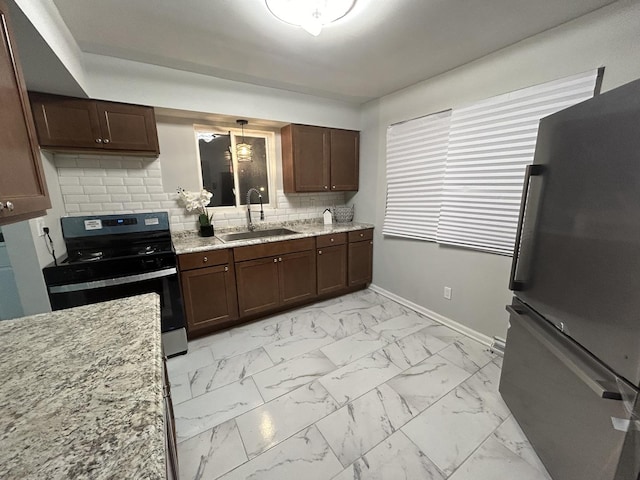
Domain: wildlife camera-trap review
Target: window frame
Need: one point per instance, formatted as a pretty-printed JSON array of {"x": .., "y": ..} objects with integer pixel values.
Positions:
[{"x": 270, "y": 150}]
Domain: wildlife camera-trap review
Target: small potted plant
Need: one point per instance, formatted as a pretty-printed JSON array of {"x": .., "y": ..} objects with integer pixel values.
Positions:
[{"x": 198, "y": 201}]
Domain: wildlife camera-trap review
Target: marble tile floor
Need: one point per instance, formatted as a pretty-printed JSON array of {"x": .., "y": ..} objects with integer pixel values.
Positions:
[{"x": 353, "y": 388}]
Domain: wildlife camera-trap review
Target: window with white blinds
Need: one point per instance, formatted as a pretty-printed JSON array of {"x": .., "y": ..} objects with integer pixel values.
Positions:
[
  {"x": 490, "y": 145},
  {"x": 416, "y": 160}
]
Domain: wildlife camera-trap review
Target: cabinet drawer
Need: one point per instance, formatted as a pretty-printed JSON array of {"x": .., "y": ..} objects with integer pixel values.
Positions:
[
  {"x": 273, "y": 248},
  {"x": 359, "y": 235},
  {"x": 329, "y": 240},
  {"x": 189, "y": 261}
]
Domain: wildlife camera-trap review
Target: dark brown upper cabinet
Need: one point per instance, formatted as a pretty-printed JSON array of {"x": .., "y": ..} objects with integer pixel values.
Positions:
[
  {"x": 23, "y": 191},
  {"x": 319, "y": 159},
  {"x": 77, "y": 124}
]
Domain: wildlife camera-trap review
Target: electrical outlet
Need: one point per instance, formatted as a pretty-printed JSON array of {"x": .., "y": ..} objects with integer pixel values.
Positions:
[
  {"x": 40, "y": 226},
  {"x": 447, "y": 293}
]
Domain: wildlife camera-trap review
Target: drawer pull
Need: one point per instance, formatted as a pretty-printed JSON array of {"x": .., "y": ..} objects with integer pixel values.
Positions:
[
  {"x": 332, "y": 239},
  {"x": 280, "y": 259},
  {"x": 205, "y": 259},
  {"x": 98, "y": 140},
  {"x": 275, "y": 260},
  {"x": 226, "y": 269},
  {"x": 361, "y": 235},
  {"x": 319, "y": 252}
]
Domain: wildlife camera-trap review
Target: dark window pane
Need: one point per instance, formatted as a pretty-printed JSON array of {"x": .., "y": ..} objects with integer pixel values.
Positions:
[
  {"x": 253, "y": 173},
  {"x": 217, "y": 169}
]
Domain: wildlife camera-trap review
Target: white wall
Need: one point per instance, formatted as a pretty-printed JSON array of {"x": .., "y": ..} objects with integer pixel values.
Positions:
[{"x": 418, "y": 271}]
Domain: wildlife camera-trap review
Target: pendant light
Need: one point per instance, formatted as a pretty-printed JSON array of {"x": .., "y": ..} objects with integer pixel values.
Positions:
[{"x": 243, "y": 149}]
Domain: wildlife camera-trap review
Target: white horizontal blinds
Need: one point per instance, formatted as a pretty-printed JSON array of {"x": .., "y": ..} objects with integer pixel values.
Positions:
[
  {"x": 416, "y": 158},
  {"x": 490, "y": 145}
]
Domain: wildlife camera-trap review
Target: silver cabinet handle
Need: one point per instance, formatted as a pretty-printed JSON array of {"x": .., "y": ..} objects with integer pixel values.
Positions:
[
  {"x": 332, "y": 239},
  {"x": 106, "y": 140},
  {"x": 205, "y": 259},
  {"x": 275, "y": 260},
  {"x": 9, "y": 206},
  {"x": 333, "y": 186},
  {"x": 226, "y": 269},
  {"x": 280, "y": 259},
  {"x": 319, "y": 252},
  {"x": 361, "y": 235},
  {"x": 98, "y": 140},
  {"x": 326, "y": 187}
]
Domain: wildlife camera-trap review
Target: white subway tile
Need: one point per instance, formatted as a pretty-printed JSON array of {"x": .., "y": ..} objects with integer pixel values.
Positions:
[
  {"x": 116, "y": 189},
  {"x": 155, "y": 189},
  {"x": 154, "y": 173},
  {"x": 99, "y": 198},
  {"x": 140, "y": 197},
  {"x": 70, "y": 172},
  {"x": 112, "y": 181},
  {"x": 93, "y": 188},
  {"x": 152, "y": 205},
  {"x": 132, "y": 205},
  {"x": 133, "y": 163},
  {"x": 132, "y": 181},
  {"x": 116, "y": 172},
  {"x": 120, "y": 197},
  {"x": 169, "y": 204},
  {"x": 94, "y": 172},
  {"x": 76, "y": 198},
  {"x": 113, "y": 207},
  {"x": 71, "y": 207},
  {"x": 71, "y": 189},
  {"x": 69, "y": 180},
  {"x": 91, "y": 207},
  {"x": 153, "y": 181},
  {"x": 159, "y": 197},
  {"x": 65, "y": 162},
  {"x": 110, "y": 163},
  {"x": 136, "y": 189},
  {"x": 136, "y": 172},
  {"x": 85, "y": 162}
]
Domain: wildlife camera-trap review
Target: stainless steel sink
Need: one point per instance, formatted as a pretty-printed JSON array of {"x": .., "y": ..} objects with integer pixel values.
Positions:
[{"x": 274, "y": 232}]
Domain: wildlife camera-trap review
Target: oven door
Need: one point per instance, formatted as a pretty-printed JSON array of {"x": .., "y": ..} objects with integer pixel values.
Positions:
[{"x": 163, "y": 282}]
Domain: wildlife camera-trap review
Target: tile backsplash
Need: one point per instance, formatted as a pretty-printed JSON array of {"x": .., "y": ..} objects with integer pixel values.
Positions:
[{"x": 94, "y": 184}]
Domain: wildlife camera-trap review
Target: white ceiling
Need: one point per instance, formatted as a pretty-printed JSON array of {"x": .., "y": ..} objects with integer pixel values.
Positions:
[{"x": 381, "y": 46}]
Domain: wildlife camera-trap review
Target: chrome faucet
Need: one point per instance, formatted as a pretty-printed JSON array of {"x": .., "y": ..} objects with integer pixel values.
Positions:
[{"x": 251, "y": 226}]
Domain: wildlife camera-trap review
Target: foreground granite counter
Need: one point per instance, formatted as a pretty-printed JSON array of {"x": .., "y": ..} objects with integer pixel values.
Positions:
[
  {"x": 191, "y": 242},
  {"x": 81, "y": 393}
]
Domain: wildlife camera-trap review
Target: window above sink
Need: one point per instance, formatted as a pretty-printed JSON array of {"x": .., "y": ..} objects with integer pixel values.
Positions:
[{"x": 228, "y": 177}]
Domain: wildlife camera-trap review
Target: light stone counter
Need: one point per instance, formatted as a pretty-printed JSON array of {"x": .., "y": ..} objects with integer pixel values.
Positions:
[
  {"x": 191, "y": 242},
  {"x": 81, "y": 393}
]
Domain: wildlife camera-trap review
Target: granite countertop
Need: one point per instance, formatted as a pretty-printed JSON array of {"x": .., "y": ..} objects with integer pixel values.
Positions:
[
  {"x": 81, "y": 393},
  {"x": 191, "y": 242}
]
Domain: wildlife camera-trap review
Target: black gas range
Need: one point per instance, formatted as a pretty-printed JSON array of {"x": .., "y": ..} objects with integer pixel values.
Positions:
[{"x": 117, "y": 256}]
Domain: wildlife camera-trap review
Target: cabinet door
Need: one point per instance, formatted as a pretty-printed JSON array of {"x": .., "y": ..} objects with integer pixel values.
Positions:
[
  {"x": 22, "y": 181},
  {"x": 258, "y": 289},
  {"x": 311, "y": 152},
  {"x": 360, "y": 262},
  {"x": 297, "y": 275},
  {"x": 332, "y": 269},
  {"x": 66, "y": 121},
  {"x": 209, "y": 296},
  {"x": 127, "y": 127},
  {"x": 345, "y": 159}
]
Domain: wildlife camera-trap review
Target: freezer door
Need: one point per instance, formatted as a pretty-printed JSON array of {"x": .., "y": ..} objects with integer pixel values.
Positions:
[
  {"x": 576, "y": 413},
  {"x": 578, "y": 264}
]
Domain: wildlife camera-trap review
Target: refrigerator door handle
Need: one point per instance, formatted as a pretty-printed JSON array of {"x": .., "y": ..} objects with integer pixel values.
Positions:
[
  {"x": 532, "y": 170},
  {"x": 603, "y": 389}
]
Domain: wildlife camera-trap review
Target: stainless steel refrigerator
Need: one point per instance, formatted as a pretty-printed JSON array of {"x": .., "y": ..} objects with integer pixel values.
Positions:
[{"x": 571, "y": 368}]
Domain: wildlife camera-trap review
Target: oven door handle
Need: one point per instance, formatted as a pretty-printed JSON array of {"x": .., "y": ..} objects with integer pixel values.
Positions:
[{"x": 111, "y": 282}]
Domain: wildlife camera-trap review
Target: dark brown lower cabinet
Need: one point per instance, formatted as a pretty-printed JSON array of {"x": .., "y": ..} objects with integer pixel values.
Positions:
[
  {"x": 297, "y": 279},
  {"x": 258, "y": 289},
  {"x": 266, "y": 284},
  {"x": 209, "y": 297},
  {"x": 332, "y": 269},
  {"x": 360, "y": 262}
]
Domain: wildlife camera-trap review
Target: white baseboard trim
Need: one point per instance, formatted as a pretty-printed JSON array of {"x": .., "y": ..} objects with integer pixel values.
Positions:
[{"x": 458, "y": 327}]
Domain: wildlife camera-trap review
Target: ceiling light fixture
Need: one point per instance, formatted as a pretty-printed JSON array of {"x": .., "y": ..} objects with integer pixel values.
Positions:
[
  {"x": 243, "y": 149},
  {"x": 311, "y": 15}
]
